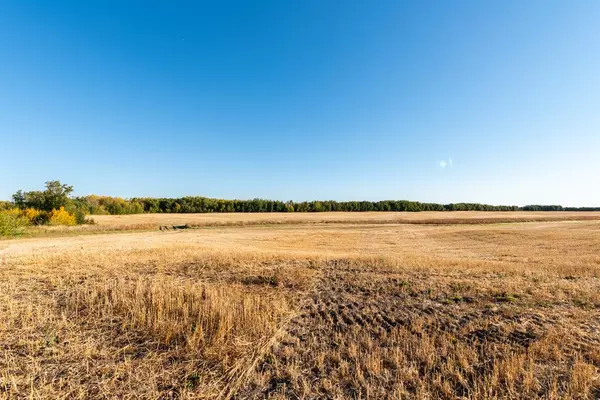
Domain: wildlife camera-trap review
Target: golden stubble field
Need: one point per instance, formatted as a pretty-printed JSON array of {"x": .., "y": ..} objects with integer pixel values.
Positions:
[
  {"x": 117, "y": 223},
  {"x": 368, "y": 308}
]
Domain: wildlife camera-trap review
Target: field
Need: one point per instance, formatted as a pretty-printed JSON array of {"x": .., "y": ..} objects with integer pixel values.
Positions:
[
  {"x": 302, "y": 306},
  {"x": 139, "y": 222},
  {"x": 338, "y": 217}
]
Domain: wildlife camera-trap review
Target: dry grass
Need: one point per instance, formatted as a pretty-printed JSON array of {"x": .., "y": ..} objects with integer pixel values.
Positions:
[
  {"x": 235, "y": 219},
  {"x": 149, "y": 222},
  {"x": 305, "y": 311}
]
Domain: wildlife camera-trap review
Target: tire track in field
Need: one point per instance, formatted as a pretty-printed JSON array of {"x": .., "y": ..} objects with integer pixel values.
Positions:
[{"x": 344, "y": 309}]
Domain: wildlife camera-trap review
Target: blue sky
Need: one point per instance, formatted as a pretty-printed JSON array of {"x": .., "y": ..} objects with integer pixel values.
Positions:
[{"x": 304, "y": 100}]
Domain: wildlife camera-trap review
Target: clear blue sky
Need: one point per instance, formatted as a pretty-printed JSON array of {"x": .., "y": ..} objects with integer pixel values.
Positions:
[{"x": 304, "y": 99}]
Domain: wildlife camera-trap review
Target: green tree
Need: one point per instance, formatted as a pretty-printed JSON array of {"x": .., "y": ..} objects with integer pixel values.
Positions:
[
  {"x": 54, "y": 197},
  {"x": 19, "y": 199}
]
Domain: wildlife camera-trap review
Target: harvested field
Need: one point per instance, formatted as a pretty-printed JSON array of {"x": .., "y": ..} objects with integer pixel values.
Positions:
[
  {"x": 457, "y": 217},
  {"x": 139, "y": 222},
  {"x": 294, "y": 310}
]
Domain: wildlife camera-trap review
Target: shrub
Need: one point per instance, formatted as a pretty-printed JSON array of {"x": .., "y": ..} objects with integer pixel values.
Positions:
[
  {"x": 11, "y": 224},
  {"x": 62, "y": 217},
  {"x": 42, "y": 218},
  {"x": 79, "y": 217},
  {"x": 35, "y": 216},
  {"x": 15, "y": 212},
  {"x": 31, "y": 214},
  {"x": 79, "y": 210}
]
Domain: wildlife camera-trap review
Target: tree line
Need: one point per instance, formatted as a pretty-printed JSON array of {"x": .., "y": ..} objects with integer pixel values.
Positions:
[
  {"x": 57, "y": 195},
  {"x": 52, "y": 206},
  {"x": 207, "y": 205}
]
